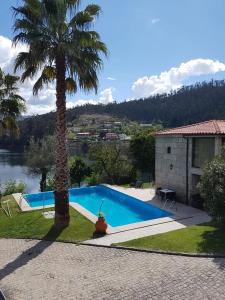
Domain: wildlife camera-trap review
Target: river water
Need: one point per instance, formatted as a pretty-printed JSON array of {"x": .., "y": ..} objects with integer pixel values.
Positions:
[{"x": 12, "y": 166}]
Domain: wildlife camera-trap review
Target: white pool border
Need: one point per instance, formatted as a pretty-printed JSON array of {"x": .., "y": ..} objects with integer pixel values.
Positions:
[{"x": 25, "y": 207}]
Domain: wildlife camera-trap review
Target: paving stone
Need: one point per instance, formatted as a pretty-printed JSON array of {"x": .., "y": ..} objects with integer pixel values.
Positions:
[{"x": 45, "y": 270}]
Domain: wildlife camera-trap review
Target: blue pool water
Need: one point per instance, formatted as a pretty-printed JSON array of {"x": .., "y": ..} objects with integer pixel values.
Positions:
[{"x": 119, "y": 209}]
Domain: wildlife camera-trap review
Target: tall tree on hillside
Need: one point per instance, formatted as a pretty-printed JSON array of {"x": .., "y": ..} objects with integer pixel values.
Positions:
[
  {"x": 64, "y": 49},
  {"x": 40, "y": 158},
  {"x": 142, "y": 148},
  {"x": 78, "y": 170},
  {"x": 11, "y": 103}
]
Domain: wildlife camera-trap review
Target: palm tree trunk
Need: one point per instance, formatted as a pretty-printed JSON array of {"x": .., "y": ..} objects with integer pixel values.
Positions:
[{"x": 62, "y": 217}]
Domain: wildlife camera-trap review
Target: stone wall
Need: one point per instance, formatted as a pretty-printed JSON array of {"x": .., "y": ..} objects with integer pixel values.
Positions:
[{"x": 171, "y": 167}]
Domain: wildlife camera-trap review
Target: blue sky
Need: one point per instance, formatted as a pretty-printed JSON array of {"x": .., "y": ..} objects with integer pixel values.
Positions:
[{"x": 148, "y": 37}]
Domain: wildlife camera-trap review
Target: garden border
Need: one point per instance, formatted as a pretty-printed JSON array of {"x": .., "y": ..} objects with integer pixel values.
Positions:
[{"x": 161, "y": 252}]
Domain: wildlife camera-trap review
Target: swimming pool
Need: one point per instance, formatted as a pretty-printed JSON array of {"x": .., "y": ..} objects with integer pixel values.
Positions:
[{"x": 119, "y": 209}]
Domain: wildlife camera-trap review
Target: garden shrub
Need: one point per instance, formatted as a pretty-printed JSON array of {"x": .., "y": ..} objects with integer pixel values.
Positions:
[
  {"x": 212, "y": 187},
  {"x": 12, "y": 187},
  {"x": 93, "y": 179},
  {"x": 50, "y": 183}
]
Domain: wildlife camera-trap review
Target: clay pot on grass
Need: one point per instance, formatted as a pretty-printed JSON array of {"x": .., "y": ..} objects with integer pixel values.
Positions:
[{"x": 101, "y": 225}]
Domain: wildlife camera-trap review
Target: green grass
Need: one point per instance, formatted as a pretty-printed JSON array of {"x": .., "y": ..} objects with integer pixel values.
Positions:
[
  {"x": 204, "y": 238},
  {"x": 34, "y": 225}
]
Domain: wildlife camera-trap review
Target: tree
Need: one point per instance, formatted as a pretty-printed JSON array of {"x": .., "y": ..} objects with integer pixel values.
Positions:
[
  {"x": 212, "y": 187},
  {"x": 142, "y": 148},
  {"x": 64, "y": 49},
  {"x": 11, "y": 104},
  {"x": 78, "y": 170},
  {"x": 110, "y": 162},
  {"x": 40, "y": 158}
]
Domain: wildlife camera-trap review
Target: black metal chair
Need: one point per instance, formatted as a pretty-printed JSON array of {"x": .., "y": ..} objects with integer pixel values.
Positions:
[{"x": 137, "y": 184}]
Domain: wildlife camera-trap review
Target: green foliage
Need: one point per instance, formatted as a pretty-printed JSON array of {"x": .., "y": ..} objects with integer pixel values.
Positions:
[
  {"x": 12, "y": 187},
  {"x": 93, "y": 179},
  {"x": 50, "y": 183},
  {"x": 78, "y": 170},
  {"x": 11, "y": 104},
  {"x": 142, "y": 148},
  {"x": 71, "y": 135},
  {"x": 212, "y": 187},
  {"x": 40, "y": 157},
  {"x": 40, "y": 154},
  {"x": 111, "y": 163}
]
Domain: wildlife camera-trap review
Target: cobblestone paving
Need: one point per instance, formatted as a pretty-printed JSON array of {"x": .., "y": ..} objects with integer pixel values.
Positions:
[{"x": 31, "y": 270}]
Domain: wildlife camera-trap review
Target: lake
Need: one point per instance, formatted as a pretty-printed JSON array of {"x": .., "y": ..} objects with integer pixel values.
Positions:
[{"x": 12, "y": 166}]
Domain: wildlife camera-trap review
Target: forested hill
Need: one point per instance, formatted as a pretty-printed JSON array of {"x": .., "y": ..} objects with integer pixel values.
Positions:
[{"x": 199, "y": 102}]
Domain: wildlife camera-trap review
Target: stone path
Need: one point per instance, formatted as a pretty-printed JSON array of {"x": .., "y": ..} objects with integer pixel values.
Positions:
[{"x": 43, "y": 270}]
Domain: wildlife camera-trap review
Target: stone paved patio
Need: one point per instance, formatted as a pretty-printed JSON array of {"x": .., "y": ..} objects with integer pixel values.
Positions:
[{"x": 43, "y": 270}]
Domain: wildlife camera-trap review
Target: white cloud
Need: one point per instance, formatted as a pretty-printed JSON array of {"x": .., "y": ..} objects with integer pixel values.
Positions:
[
  {"x": 45, "y": 100},
  {"x": 155, "y": 20},
  {"x": 106, "y": 97},
  {"x": 111, "y": 78},
  {"x": 175, "y": 77}
]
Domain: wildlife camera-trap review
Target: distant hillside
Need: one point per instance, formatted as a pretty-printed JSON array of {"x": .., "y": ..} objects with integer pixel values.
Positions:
[{"x": 199, "y": 102}]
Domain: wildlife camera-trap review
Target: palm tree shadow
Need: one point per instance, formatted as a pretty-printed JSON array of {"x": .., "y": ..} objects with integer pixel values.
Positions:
[{"x": 31, "y": 253}]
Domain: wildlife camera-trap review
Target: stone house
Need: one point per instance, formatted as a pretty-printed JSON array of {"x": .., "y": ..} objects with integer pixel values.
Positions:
[{"x": 182, "y": 152}]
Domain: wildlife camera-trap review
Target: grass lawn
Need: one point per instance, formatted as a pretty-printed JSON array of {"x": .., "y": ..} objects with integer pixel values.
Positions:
[
  {"x": 204, "y": 238},
  {"x": 34, "y": 225}
]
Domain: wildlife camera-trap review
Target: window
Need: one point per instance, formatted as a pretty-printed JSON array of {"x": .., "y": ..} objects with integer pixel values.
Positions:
[
  {"x": 203, "y": 150},
  {"x": 168, "y": 150}
]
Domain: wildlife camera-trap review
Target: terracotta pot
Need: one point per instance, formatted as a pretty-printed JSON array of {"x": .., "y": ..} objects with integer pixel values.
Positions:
[{"x": 101, "y": 225}]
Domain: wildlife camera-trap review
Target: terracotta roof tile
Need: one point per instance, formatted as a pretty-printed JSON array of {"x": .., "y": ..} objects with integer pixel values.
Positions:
[{"x": 212, "y": 127}]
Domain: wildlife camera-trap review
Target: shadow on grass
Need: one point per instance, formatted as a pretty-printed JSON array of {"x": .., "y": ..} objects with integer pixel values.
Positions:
[
  {"x": 213, "y": 242},
  {"x": 31, "y": 253}
]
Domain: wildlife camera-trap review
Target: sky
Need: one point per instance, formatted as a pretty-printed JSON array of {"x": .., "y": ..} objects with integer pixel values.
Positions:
[{"x": 155, "y": 46}]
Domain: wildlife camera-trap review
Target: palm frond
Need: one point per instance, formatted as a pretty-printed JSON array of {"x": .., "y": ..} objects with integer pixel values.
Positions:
[
  {"x": 93, "y": 10},
  {"x": 22, "y": 60},
  {"x": 51, "y": 28},
  {"x": 71, "y": 85},
  {"x": 48, "y": 74},
  {"x": 29, "y": 72}
]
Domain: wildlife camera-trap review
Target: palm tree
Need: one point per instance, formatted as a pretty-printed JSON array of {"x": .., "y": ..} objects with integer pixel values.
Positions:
[
  {"x": 11, "y": 104},
  {"x": 64, "y": 49}
]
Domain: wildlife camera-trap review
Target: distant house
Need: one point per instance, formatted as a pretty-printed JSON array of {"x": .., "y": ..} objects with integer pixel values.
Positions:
[
  {"x": 111, "y": 136},
  {"x": 83, "y": 135},
  {"x": 124, "y": 137},
  {"x": 145, "y": 125},
  {"x": 75, "y": 129},
  {"x": 182, "y": 152}
]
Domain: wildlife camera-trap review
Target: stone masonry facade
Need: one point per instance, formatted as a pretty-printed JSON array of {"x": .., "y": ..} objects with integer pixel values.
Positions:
[
  {"x": 170, "y": 169},
  {"x": 171, "y": 165}
]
